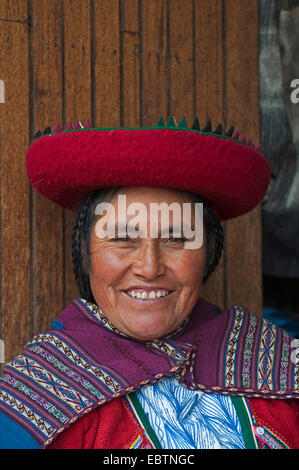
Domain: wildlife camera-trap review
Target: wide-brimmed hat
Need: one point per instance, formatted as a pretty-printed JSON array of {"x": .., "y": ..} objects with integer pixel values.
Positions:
[{"x": 225, "y": 169}]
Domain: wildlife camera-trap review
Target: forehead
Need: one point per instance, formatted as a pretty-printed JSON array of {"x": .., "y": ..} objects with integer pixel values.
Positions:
[{"x": 149, "y": 205}]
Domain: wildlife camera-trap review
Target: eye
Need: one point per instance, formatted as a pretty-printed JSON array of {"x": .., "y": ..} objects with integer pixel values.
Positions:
[
  {"x": 175, "y": 239},
  {"x": 122, "y": 239}
]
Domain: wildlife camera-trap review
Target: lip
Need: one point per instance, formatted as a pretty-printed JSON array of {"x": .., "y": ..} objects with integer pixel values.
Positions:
[{"x": 147, "y": 288}]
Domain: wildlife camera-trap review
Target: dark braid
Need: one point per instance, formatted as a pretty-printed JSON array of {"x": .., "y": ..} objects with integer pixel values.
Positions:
[
  {"x": 214, "y": 235},
  {"x": 215, "y": 240},
  {"x": 81, "y": 239},
  {"x": 79, "y": 235}
]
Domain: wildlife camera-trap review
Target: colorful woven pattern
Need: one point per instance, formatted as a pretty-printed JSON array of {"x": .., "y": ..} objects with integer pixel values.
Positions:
[
  {"x": 265, "y": 353},
  {"x": 55, "y": 380},
  {"x": 83, "y": 362}
]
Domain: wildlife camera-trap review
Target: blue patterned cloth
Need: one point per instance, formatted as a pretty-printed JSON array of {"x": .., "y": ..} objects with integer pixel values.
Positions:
[{"x": 187, "y": 419}]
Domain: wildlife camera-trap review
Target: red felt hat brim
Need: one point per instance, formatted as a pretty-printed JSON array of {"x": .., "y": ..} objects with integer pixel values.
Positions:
[{"x": 65, "y": 167}]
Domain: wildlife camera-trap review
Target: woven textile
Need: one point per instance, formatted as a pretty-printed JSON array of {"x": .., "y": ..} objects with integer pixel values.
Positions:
[
  {"x": 83, "y": 362},
  {"x": 188, "y": 419}
]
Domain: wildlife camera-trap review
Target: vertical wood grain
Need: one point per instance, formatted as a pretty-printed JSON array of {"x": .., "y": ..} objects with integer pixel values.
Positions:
[
  {"x": 155, "y": 61},
  {"x": 130, "y": 63},
  {"x": 209, "y": 61},
  {"x": 77, "y": 101},
  {"x": 47, "y": 218},
  {"x": 209, "y": 103},
  {"x": 106, "y": 63},
  {"x": 181, "y": 50},
  {"x": 15, "y": 220},
  {"x": 244, "y": 272}
]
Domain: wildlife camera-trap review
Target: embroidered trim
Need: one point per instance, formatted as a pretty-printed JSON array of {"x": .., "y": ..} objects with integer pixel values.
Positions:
[
  {"x": 283, "y": 372},
  {"x": 52, "y": 360},
  {"x": 137, "y": 444},
  {"x": 266, "y": 357},
  {"x": 49, "y": 381},
  {"x": 35, "y": 397},
  {"x": 99, "y": 315},
  {"x": 101, "y": 374},
  {"x": 232, "y": 345},
  {"x": 140, "y": 416},
  {"x": 270, "y": 439},
  {"x": 295, "y": 359},
  {"x": 248, "y": 349},
  {"x": 167, "y": 348},
  {"x": 265, "y": 366},
  {"x": 41, "y": 426}
]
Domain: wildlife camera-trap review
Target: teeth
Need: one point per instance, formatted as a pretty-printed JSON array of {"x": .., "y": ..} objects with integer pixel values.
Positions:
[{"x": 145, "y": 295}]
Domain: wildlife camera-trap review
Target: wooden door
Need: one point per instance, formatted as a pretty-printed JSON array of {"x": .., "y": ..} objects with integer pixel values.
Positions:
[{"x": 118, "y": 63}]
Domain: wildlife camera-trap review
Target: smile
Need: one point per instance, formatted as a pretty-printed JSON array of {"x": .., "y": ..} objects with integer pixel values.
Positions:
[{"x": 143, "y": 295}]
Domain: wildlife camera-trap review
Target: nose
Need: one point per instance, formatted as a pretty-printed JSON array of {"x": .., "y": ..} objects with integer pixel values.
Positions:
[{"x": 148, "y": 262}]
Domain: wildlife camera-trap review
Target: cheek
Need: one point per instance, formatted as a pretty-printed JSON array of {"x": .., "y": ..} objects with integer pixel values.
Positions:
[
  {"x": 106, "y": 266},
  {"x": 189, "y": 267}
]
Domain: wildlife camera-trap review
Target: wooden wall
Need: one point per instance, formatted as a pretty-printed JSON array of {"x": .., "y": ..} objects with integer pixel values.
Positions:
[{"x": 117, "y": 62}]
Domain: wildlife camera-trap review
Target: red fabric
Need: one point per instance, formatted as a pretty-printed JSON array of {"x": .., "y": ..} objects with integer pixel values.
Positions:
[
  {"x": 66, "y": 167},
  {"x": 110, "y": 426},
  {"x": 113, "y": 426},
  {"x": 281, "y": 417}
]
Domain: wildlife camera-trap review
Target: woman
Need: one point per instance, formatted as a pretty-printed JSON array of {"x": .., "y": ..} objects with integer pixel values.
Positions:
[{"x": 139, "y": 360}]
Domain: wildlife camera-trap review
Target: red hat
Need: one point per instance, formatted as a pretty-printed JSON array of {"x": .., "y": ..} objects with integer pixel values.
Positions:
[{"x": 66, "y": 165}]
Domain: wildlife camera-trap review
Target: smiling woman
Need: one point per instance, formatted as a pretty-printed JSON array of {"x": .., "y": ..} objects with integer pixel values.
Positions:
[
  {"x": 146, "y": 286},
  {"x": 145, "y": 266},
  {"x": 139, "y": 359}
]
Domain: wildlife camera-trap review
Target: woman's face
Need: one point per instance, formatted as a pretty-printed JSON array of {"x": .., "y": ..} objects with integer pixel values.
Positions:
[{"x": 129, "y": 277}]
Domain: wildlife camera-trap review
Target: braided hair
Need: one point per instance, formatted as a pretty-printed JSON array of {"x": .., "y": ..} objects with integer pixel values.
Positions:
[
  {"x": 82, "y": 232},
  {"x": 215, "y": 240},
  {"x": 81, "y": 239}
]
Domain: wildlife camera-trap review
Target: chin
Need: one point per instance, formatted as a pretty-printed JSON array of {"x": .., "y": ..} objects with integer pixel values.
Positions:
[
  {"x": 152, "y": 337},
  {"x": 149, "y": 333}
]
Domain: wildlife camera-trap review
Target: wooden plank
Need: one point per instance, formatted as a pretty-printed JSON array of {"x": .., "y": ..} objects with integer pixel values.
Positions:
[
  {"x": 209, "y": 70},
  {"x": 15, "y": 228},
  {"x": 47, "y": 220},
  {"x": 181, "y": 50},
  {"x": 130, "y": 63},
  {"x": 209, "y": 83},
  {"x": 106, "y": 63},
  {"x": 155, "y": 73},
  {"x": 77, "y": 104},
  {"x": 77, "y": 53},
  {"x": 244, "y": 278},
  {"x": 14, "y": 11}
]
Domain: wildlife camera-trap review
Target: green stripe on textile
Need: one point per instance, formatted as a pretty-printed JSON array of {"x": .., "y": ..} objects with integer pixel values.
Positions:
[
  {"x": 132, "y": 397},
  {"x": 245, "y": 423}
]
